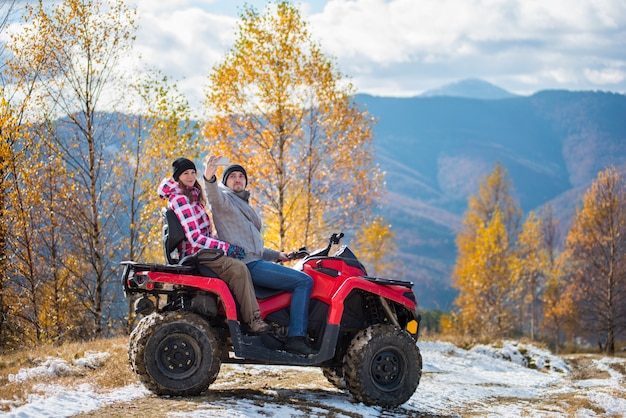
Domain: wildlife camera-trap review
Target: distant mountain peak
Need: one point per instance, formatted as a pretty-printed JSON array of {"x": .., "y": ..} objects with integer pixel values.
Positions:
[{"x": 473, "y": 88}]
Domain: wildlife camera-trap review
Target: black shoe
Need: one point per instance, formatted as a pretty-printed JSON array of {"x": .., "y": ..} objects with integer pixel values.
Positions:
[
  {"x": 298, "y": 345},
  {"x": 269, "y": 340}
]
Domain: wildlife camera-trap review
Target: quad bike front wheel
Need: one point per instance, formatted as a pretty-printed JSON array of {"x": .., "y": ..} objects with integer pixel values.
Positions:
[
  {"x": 175, "y": 353},
  {"x": 335, "y": 376},
  {"x": 382, "y": 366}
]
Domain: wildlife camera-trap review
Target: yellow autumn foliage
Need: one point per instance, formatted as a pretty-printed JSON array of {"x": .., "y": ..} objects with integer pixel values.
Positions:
[{"x": 277, "y": 106}]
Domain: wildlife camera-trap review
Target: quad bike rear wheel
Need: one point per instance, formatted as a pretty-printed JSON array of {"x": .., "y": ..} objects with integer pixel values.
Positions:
[
  {"x": 175, "y": 353},
  {"x": 382, "y": 366}
]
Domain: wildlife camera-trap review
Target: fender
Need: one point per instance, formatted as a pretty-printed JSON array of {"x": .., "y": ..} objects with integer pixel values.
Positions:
[
  {"x": 208, "y": 284},
  {"x": 336, "y": 305}
]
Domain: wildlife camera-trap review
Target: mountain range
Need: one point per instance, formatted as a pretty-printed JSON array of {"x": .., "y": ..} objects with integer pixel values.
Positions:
[{"x": 436, "y": 148}]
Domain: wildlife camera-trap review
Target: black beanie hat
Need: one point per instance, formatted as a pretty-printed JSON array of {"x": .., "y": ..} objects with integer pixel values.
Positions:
[
  {"x": 180, "y": 165},
  {"x": 231, "y": 168}
]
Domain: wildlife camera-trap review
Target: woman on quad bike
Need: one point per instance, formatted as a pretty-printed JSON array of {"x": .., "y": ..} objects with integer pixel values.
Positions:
[
  {"x": 185, "y": 197},
  {"x": 237, "y": 222}
]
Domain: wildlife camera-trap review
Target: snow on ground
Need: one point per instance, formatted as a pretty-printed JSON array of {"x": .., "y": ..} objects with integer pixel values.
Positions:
[
  {"x": 455, "y": 377},
  {"x": 454, "y": 380},
  {"x": 58, "y": 367},
  {"x": 611, "y": 397}
]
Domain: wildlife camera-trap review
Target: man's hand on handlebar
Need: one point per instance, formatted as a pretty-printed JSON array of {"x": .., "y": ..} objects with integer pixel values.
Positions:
[
  {"x": 294, "y": 255},
  {"x": 283, "y": 256}
]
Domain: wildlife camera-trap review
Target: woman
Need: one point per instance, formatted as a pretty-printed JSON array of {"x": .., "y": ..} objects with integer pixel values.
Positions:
[{"x": 184, "y": 196}]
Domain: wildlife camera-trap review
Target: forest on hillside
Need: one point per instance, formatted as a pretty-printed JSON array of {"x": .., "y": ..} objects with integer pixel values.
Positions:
[{"x": 435, "y": 150}]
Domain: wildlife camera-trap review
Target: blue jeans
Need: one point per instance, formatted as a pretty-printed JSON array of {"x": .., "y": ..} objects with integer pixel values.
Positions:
[{"x": 277, "y": 276}]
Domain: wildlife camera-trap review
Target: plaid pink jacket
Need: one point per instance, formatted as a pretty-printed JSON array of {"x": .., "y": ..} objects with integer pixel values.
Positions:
[{"x": 192, "y": 216}]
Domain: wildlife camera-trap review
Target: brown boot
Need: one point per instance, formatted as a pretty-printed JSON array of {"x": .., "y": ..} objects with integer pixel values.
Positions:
[{"x": 259, "y": 326}]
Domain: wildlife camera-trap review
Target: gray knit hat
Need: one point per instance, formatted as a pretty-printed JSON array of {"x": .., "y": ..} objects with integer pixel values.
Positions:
[{"x": 232, "y": 168}]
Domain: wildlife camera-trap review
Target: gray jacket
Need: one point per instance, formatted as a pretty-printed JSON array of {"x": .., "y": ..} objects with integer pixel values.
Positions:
[{"x": 237, "y": 223}]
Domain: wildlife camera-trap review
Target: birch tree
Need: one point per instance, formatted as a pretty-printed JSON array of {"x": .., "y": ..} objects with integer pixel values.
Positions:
[
  {"x": 277, "y": 105},
  {"x": 482, "y": 273},
  {"x": 76, "y": 46},
  {"x": 375, "y": 246},
  {"x": 557, "y": 309},
  {"x": 164, "y": 131},
  {"x": 596, "y": 247},
  {"x": 529, "y": 264}
]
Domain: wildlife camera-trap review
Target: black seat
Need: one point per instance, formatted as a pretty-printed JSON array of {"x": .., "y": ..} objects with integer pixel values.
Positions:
[{"x": 173, "y": 235}]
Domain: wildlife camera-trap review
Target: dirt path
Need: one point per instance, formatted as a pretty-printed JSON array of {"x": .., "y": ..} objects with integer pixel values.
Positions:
[
  {"x": 267, "y": 390},
  {"x": 283, "y": 391}
]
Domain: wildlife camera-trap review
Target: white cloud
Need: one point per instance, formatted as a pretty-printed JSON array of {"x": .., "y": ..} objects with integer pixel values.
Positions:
[
  {"x": 373, "y": 26},
  {"x": 483, "y": 35},
  {"x": 187, "y": 40},
  {"x": 605, "y": 76},
  {"x": 403, "y": 47}
]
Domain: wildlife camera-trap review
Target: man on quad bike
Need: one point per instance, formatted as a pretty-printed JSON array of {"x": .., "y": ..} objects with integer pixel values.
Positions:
[
  {"x": 185, "y": 198},
  {"x": 238, "y": 223}
]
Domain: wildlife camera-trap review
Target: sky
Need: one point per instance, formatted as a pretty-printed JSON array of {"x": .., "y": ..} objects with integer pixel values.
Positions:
[
  {"x": 402, "y": 48},
  {"x": 480, "y": 382}
]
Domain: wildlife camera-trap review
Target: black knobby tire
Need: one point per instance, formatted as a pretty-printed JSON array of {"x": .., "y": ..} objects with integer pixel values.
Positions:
[
  {"x": 145, "y": 322},
  {"x": 335, "y": 376},
  {"x": 175, "y": 353},
  {"x": 382, "y": 366}
]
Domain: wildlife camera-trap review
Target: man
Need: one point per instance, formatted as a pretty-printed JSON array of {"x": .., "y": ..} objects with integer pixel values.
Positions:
[{"x": 238, "y": 223}]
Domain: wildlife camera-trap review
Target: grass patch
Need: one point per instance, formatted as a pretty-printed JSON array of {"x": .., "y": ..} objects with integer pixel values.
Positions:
[
  {"x": 112, "y": 372},
  {"x": 573, "y": 404}
]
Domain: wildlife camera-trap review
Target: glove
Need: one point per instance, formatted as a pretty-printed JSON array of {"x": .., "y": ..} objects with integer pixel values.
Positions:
[{"x": 236, "y": 251}]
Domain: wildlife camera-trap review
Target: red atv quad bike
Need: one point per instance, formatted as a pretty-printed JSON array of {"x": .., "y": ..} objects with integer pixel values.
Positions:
[{"x": 364, "y": 329}]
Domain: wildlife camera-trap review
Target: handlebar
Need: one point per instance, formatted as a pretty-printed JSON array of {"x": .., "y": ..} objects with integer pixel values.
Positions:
[
  {"x": 303, "y": 252},
  {"x": 334, "y": 238}
]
